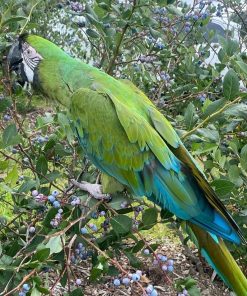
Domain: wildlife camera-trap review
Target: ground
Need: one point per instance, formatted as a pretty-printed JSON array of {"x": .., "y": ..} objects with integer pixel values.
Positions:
[{"x": 184, "y": 266}]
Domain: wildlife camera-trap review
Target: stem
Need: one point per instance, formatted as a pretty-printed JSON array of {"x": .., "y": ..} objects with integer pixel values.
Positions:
[
  {"x": 29, "y": 16},
  {"x": 205, "y": 121}
]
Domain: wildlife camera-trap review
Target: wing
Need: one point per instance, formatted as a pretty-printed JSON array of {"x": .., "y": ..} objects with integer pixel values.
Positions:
[{"x": 143, "y": 153}]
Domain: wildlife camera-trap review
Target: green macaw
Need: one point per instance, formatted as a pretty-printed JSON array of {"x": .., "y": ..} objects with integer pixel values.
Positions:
[{"x": 127, "y": 138}]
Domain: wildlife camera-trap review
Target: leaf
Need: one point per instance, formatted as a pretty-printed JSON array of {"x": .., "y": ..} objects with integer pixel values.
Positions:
[
  {"x": 121, "y": 224},
  {"x": 76, "y": 292},
  {"x": 41, "y": 255},
  {"x": 42, "y": 165},
  {"x": 242, "y": 66},
  {"x": 230, "y": 85},
  {"x": 243, "y": 157},
  {"x": 134, "y": 261},
  {"x": 55, "y": 244},
  {"x": 174, "y": 10},
  {"x": 14, "y": 19},
  {"x": 10, "y": 136},
  {"x": 92, "y": 33},
  {"x": 25, "y": 187},
  {"x": 222, "y": 187},
  {"x": 35, "y": 292},
  {"x": 12, "y": 176},
  {"x": 189, "y": 116},
  {"x": 234, "y": 175},
  {"x": 213, "y": 107},
  {"x": 149, "y": 218}
]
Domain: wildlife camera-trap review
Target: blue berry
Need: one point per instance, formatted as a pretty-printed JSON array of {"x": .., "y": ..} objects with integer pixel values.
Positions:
[
  {"x": 26, "y": 287},
  {"x": 149, "y": 289},
  {"x": 164, "y": 267},
  {"x": 51, "y": 198},
  {"x": 102, "y": 213},
  {"x": 22, "y": 293},
  {"x": 135, "y": 277},
  {"x": 94, "y": 228},
  {"x": 32, "y": 229},
  {"x": 6, "y": 117},
  {"x": 139, "y": 272},
  {"x": 146, "y": 252},
  {"x": 35, "y": 193},
  {"x": 170, "y": 262},
  {"x": 56, "y": 204},
  {"x": 218, "y": 14},
  {"x": 185, "y": 292},
  {"x": 154, "y": 293},
  {"x": 78, "y": 282},
  {"x": 60, "y": 211},
  {"x": 84, "y": 230},
  {"x": 195, "y": 17},
  {"x": 126, "y": 281},
  {"x": 80, "y": 245},
  {"x": 116, "y": 282},
  {"x": 163, "y": 258},
  {"x": 14, "y": 151},
  {"x": 54, "y": 193},
  {"x": 187, "y": 29},
  {"x": 170, "y": 268}
]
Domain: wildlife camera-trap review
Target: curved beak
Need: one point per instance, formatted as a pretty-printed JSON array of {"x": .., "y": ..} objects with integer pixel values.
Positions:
[{"x": 14, "y": 57}]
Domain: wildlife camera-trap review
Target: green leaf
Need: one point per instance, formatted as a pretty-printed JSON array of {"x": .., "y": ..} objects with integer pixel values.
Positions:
[
  {"x": 149, "y": 218},
  {"x": 242, "y": 66},
  {"x": 14, "y": 19},
  {"x": 222, "y": 187},
  {"x": 41, "y": 255},
  {"x": 243, "y": 157},
  {"x": 134, "y": 261},
  {"x": 10, "y": 136},
  {"x": 189, "y": 116},
  {"x": 230, "y": 85},
  {"x": 12, "y": 176},
  {"x": 42, "y": 165},
  {"x": 76, "y": 292},
  {"x": 121, "y": 224},
  {"x": 92, "y": 33},
  {"x": 55, "y": 244},
  {"x": 35, "y": 292},
  {"x": 234, "y": 175},
  {"x": 25, "y": 187},
  {"x": 213, "y": 107},
  {"x": 174, "y": 10}
]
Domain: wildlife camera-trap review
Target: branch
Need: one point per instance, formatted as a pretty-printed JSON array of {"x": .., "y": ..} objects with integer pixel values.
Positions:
[
  {"x": 116, "y": 51},
  {"x": 205, "y": 121}
]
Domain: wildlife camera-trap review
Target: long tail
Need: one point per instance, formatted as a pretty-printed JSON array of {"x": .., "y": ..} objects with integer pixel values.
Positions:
[{"x": 218, "y": 256}]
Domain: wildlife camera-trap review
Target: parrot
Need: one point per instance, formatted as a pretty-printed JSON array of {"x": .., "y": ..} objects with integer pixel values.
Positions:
[{"x": 127, "y": 138}]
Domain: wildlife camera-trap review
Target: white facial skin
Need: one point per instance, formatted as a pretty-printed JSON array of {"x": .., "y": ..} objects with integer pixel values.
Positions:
[{"x": 30, "y": 60}]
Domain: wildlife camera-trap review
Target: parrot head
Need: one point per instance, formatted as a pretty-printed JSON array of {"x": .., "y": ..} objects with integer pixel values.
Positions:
[{"x": 23, "y": 59}]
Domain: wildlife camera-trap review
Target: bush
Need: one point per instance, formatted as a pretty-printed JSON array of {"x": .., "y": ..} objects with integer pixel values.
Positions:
[{"x": 47, "y": 222}]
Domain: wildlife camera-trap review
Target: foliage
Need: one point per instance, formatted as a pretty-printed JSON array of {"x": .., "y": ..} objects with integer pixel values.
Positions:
[{"x": 164, "y": 50}]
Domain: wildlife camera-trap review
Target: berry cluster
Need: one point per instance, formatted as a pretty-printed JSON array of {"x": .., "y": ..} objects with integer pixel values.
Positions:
[
  {"x": 57, "y": 219},
  {"x": 39, "y": 197},
  {"x": 80, "y": 253},
  {"x": 24, "y": 290},
  {"x": 76, "y": 6},
  {"x": 134, "y": 277}
]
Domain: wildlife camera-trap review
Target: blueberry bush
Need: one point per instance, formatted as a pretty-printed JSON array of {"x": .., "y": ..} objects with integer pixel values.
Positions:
[{"x": 194, "y": 73}]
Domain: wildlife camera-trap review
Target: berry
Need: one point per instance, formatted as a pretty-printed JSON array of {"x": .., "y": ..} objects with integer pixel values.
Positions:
[
  {"x": 22, "y": 293},
  {"x": 6, "y": 117},
  {"x": 187, "y": 29},
  {"x": 56, "y": 204},
  {"x": 60, "y": 211},
  {"x": 102, "y": 213},
  {"x": 170, "y": 268},
  {"x": 35, "y": 192},
  {"x": 116, "y": 282},
  {"x": 51, "y": 198},
  {"x": 135, "y": 277},
  {"x": 146, "y": 252},
  {"x": 80, "y": 245},
  {"x": 54, "y": 193},
  {"x": 154, "y": 293},
  {"x": 32, "y": 229},
  {"x": 78, "y": 282},
  {"x": 170, "y": 262},
  {"x": 94, "y": 228},
  {"x": 139, "y": 272},
  {"x": 26, "y": 287},
  {"x": 155, "y": 262},
  {"x": 149, "y": 289},
  {"x": 84, "y": 230},
  {"x": 14, "y": 151},
  {"x": 185, "y": 292},
  {"x": 126, "y": 281},
  {"x": 163, "y": 258},
  {"x": 164, "y": 267},
  {"x": 195, "y": 17}
]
